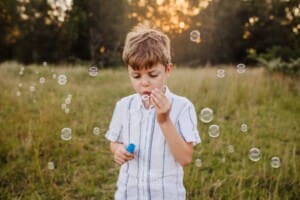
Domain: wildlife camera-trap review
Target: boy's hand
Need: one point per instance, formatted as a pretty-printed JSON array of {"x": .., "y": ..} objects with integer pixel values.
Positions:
[
  {"x": 121, "y": 155},
  {"x": 161, "y": 104}
]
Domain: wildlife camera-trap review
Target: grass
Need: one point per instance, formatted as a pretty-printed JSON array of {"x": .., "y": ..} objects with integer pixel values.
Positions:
[{"x": 30, "y": 126}]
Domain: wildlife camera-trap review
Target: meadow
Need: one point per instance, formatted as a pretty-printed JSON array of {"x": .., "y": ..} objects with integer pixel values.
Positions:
[{"x": 35, "y": 163}]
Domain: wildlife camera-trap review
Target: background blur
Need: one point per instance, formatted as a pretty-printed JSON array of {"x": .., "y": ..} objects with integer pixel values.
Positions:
[{"x": 230, "y": 31}]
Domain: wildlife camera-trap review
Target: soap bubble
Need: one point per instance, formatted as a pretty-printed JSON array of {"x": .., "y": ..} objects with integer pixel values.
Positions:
[
  {"x": 214, "y": 131},
  {"x": 275, "y": 162},
  {"x": 42, "y": 80},
  {"x": 18, "y": 93},
  {"x": 68, "y": 100},
  {"x": 96, "y": 131},
  {"x": 45, "y": 64},
  {"x": 230, "y": 148},
  {"x": 220, "y": 73},
  {"x": 206, "y": 115},
  {"x": 20, "y": 84},
  {"x": 241, "y": 68},
  {"x": 244, "y": 128},
  {"x": 195, "y": 36},
  {"x": 67, "y": 110},
  {"x": 93, "y": 71},
  {"x": 66, "y": 134},
  {"x": 54, "y": 76},
  {"x": 51, "y": 165},
  {"x": 198, "y": 162},
  {"x": 254, "y": 154},
  {"x": 145, "y": 97},
  {"x": 32, "y": 88},
  {"x": 62, "y": 79}
]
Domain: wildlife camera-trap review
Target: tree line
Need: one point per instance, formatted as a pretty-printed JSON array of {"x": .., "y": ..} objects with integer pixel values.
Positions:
[{"x": 231, "y": 31}]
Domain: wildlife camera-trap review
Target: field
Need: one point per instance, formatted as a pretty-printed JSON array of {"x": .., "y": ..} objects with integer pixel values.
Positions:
[{"x": 35, "y": 163}]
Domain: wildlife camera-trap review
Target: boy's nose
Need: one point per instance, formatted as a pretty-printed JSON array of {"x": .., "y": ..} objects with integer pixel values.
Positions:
[{"x": 145, "y": 82}]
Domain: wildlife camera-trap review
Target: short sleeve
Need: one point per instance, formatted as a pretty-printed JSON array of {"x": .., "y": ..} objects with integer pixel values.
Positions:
[
  {"x": 187, "y": 124},
  {"x": 114, "y": 133}
]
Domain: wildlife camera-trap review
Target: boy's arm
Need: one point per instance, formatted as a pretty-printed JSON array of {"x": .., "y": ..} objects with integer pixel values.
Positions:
[{"x": 181, "y": 150}]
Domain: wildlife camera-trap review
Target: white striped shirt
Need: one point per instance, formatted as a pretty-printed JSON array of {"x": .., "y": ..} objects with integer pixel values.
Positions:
[{"x": 154, "y": 173}]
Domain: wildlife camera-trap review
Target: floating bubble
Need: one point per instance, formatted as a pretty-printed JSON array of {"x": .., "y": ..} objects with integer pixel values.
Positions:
[
  {"x": 254, "y": 154},
  {"x": 66, "y": 134},
  {"x": 220, "y": 73},
  {"x": 206, "y": 115},
  {"x": 42, "y": 80},
  {"x": 241, "y": 68},
  {"x": 195, "y": 36},
  {"x": 145, "y": 97},
  {"x": 45, "y": 63},
  {"x": 63, "y": 106},
  {"x": 68, "y": 100},
  {"x": 20, "y": 84},
  {"x": 214, "y": 131},
  {"x": 230, "y": 148},
  {"x": 275, "y": 162},
  {"x": 93, "y": 71},
  {"x": 244, "y": 128},
  {"x": 67, "y": 110},
  {"x": 51, "y": 165},
  {"x": 54, "y": 76},
  {"x": 96, "y": 131},
  {"x": 32, "y": 88},
  {"x": 62, "y": 79},
  {"x": 198, "y": 162},
  {"x": 21, "y": 73},
  {"x": 18, "y": 93}
]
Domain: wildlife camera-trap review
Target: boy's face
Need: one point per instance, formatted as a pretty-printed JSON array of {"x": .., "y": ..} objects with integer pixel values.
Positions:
[{"x": 145, "y": 80}]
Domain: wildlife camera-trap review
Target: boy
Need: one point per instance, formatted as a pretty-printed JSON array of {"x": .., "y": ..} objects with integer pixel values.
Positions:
[{"x": 162, "y": 125}]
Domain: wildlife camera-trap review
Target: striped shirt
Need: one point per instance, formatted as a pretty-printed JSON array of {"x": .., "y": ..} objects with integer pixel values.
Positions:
[{"x": 154, "y": 173}]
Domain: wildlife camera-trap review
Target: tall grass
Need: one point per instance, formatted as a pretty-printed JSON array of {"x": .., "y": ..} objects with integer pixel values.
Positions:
[{"x": 30, "y": 127}]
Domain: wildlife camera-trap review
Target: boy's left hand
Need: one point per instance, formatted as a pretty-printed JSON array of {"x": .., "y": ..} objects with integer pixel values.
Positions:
[{"x": 161, "y": 104}]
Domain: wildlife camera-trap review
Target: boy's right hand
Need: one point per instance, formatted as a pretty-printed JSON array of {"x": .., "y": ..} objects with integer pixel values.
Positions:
[{"x": 121, "y": 155}]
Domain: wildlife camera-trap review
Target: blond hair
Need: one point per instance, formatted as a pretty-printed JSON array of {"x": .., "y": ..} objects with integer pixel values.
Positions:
[{"x": 146, "y": 47}]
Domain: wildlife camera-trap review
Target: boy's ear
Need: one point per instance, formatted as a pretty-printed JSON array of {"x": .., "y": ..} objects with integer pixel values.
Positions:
[{"x": 169, "y": 68}]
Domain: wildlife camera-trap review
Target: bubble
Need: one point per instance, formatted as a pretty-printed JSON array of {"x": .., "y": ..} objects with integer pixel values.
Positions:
[
  {"x": 198, "y": 162},
  {"x": 254, "y": 154},
  {"x": 62, "y": 79},
  {"x": 230, "y": 148},
  {"x": 42, "y": 80},
  {"x": 275, "y": 162},
  {"x": 45, "y": 63},
  {"x": 68, "y": 100},
  {"x": 206, "y": 115},
  {"x": 220, "y": 73},
  {"x": 67, "y": 110},
  {"x": 21, "y": 73},
  {"x": 20, "y": 84},
  {"x": 96, "y": 131},
  {"x": 63, "y": 106},
  {"x": 145, "y": 97},
  {"x": 195, "y": 36},
  {"x": 93, "y": 71},
  {"x": 66, "y": 134},
  {"x": 241, "y": 68},
  {"x": 51, "y": 165},
  {"x": 54, "y": 76},
  {"x": 32, "y": 88},
  {"x": 214, "y": 131},
  {"x": 18, "y": 93},
  {"x": 244, "y": 128}
]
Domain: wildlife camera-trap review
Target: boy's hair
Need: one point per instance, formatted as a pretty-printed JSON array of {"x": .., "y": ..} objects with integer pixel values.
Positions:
[{"x": 146, "y": 47}]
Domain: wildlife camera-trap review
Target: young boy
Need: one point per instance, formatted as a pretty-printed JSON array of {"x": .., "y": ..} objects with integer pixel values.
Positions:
[{"x": 162, "y": 125}]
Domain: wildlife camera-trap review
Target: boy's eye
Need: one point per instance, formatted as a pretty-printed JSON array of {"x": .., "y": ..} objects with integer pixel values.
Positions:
[
  {"x": 136, "y": 76},
  {"x": 153, "y": 75}
]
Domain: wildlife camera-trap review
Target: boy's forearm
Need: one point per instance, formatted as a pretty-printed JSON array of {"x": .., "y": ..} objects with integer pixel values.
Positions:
[{"x": 181, "y": 150}]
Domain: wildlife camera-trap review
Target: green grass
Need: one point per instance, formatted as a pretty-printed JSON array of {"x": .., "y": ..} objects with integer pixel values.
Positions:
[{"x": 30, "y": 128}]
